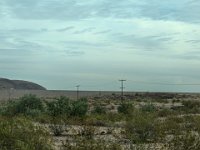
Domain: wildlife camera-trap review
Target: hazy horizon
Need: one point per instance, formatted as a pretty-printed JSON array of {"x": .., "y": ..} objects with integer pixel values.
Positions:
[{"x": 154, "y": 45}]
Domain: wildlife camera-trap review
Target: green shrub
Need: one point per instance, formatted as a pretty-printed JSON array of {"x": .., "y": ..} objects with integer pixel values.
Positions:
[
  {"x": 186, "y": 141},
  {"x": 33, "y": 112},
  {"x": 79, "y": 107},
  {"x": 21, "y": 134},
  {"x": 125, "y": 108},
  {"x": 10, "y": 109},
  {"x": 42, "y": 118},
  {"x": 29, "y": 102},
  {"x": 140, "y": 128},
  {"x": 191, "y": 104},
  {"x": 63, "y": 106},
  {"x": 169, "y": 126},
  {"x": 148, "y": 108},
  {"x": 26, "y": 105},
  {"x": 60, "y": 106},
  {"x": 164, "y": 112},
  {"x": 175, "y": 101},
  {"x": 99, "y": 110}
]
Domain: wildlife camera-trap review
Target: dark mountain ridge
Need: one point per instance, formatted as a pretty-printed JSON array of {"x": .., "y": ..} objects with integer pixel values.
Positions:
[{"x": 19, "y": 85}]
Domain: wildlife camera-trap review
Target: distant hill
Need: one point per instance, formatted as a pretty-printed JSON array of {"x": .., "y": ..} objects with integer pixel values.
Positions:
[{"x": 19, "y": 85}]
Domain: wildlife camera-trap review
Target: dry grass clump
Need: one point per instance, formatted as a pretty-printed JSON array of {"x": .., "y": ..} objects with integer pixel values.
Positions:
[{"x": 20, "y": 133}]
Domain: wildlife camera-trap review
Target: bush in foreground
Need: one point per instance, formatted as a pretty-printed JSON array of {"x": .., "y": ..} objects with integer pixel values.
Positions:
[
  {"x": 141, "y": 127},
  {"x": 23, "y": 135},
  {"x": 186, "y": 141}
]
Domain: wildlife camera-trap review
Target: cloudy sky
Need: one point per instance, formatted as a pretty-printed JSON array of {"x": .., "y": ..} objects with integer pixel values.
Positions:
[{"x": 153, "y": 44}]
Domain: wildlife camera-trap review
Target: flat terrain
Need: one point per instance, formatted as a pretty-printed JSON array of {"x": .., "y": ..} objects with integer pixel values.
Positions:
[
  {"x": 102, "y": 120},
  {"x": 51, "y": 94}
]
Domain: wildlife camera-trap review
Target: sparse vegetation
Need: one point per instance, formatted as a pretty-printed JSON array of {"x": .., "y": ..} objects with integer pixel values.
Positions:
[
  {"x": 149, "y": 107},
  {"x": 79, "y": 107},
  {"x": 125, "y": 108},
  {"x": 20, "y": 133},
  {"x": 191, "y": 106},
  {"x": 26, "y": 105},
  {"x": 85, "y": 144},
  {"x": 60, "y": 106},
  {"x": 99, "y": 110},
  {"x": 92, "y": 124},
  {"x": 140, "y": 128}
]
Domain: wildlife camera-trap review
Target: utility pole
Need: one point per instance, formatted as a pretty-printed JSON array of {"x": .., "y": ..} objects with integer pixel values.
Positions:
[
  {"x": 77, "y": 91},
  {"x": 122, "y": 88}
]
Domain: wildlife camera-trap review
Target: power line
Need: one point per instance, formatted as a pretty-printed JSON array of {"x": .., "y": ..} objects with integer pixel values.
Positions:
[
  {"x": 162, "y": 83},
  {"x": 105, "y": 84}
]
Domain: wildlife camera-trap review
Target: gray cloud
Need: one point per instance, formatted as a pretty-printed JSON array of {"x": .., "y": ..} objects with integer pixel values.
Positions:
[
  {"x": 83, "y": 44},
  {"x": 135, "y": 37},
  {"x": 23, "y": 32},
  {"x": 182, "y": 10},
  {"x": 74, "y": 53},
  {"x": 159, "y": 38},
  {"x": 65, "y": 29},
  {"x": 103, "y": 32},
  {"x": 45, "y": 9},
  {"x": 193, "y": 41},
  {"x": 19, "y": 43},
  {"x": 14, "y": 52},
  {"x": 84, "y": 30},
  {"x": 144, "y": 43}
]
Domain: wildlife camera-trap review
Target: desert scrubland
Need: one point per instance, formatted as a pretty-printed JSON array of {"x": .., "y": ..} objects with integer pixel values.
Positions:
[{"x": 138, "y": 121}]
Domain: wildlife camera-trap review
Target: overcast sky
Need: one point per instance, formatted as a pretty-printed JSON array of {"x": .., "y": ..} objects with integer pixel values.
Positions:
[{"x": 94, "y": 43}]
